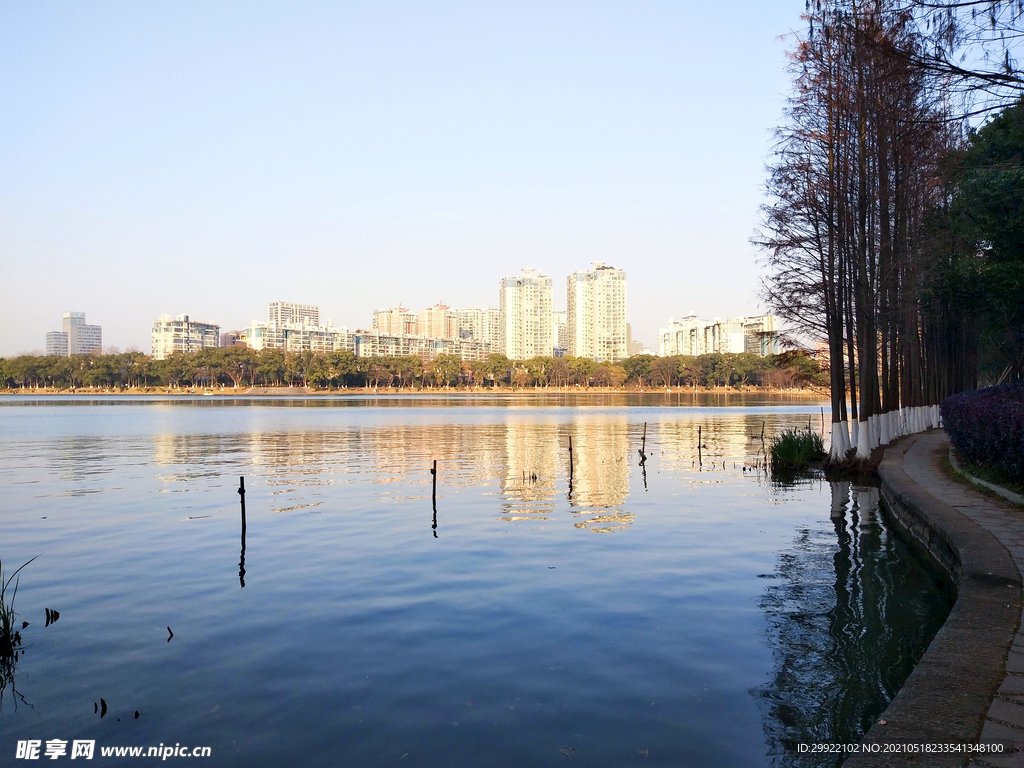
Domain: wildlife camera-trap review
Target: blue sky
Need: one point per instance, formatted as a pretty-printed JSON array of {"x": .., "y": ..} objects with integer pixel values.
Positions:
[{"x": 209, "y": 157}]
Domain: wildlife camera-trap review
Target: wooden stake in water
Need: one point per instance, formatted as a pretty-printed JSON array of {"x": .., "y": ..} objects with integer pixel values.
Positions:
[
  {"x": 643, "y": 456},
  {"x": 241, "y": 560},
  {"x": 570, "y": 467},
  {"x": 241, "y": 494},
  {"x": 433, "y": 497}
]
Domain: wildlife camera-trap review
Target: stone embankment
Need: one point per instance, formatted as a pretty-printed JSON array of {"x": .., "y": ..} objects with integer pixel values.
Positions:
[{"x": 969, "y": 685}]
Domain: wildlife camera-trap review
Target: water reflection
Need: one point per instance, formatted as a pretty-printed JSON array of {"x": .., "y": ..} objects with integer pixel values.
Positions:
[
  {"x": 534, "y": 462},
  {"x": 551, "y": 398},
  {"x": 497, "y": 648},
  {"x": 83, "y": 462},
  {"x": 850, "y": 611}
]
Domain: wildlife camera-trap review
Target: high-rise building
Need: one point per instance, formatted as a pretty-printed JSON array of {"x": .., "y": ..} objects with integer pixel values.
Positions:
[
  {"x": 396, "y": 321},
  {"x": 182, "y": 334},
  {"x": 57, "y": 343},
  {"x": 481, "y": 324},
  {"x": 75, "y": 337},
  {"x": 439, "y": 322},
  {"x": 596, "y": 314},
  {"x": 560, "y": 328},
  {"x": 281, "y": 312},
  {"x": 526, "y": 329}
]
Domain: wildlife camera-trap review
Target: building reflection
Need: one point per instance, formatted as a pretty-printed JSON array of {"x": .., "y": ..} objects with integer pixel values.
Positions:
[
  {"x": 526, "y": 460},
  {"x": 602, "y": 455},
  {"x": 532, "y": 462}
]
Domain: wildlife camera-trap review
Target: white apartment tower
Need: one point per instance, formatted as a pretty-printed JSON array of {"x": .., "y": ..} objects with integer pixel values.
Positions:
[
  {"x": 281, "y": 312},
  {"x": 596, "y": 313},
  {"x": 525, "y": 308}
]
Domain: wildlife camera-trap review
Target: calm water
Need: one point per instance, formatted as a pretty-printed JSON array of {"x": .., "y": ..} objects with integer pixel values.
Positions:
[{"x": 688, "y": 612}]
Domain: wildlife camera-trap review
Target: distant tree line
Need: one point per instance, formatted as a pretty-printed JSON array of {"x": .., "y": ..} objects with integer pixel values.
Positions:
[{"x": 240, "y": 367}]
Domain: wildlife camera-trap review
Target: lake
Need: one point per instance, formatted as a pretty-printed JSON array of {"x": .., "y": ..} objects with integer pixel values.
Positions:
[{"x": 684, "y": 611}]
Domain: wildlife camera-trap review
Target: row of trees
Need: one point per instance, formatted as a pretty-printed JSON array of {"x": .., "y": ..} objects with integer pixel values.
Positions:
[
  {"x": 237, "y": 367},
  {"x": 895, "y": 232}
]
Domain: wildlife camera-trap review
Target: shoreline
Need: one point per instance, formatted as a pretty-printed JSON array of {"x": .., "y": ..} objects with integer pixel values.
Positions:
[
  {"x": 966, "y": 687},
  {"x": 809, "y": 394}
]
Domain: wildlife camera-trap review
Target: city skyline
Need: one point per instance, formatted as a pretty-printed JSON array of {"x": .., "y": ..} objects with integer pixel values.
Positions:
[
  {"x": 285, "y": 156},
  {"x": 471, "y": 332}
]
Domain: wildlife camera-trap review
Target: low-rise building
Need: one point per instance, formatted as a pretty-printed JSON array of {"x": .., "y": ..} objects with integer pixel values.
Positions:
[
  {"x": 299, "y": 337},
  {"x": 234, "y": 339},
  {"x": 182, "y": 334},
  {"x": 376, "y": 344},
  {"x": 692, "y": 336}
]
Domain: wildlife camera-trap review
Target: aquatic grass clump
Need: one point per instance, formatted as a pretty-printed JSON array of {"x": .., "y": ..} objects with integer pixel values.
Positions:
[{"x": 795, "y": 449}]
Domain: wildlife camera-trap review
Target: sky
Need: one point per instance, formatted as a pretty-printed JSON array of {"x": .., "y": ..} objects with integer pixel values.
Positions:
[{"x": 206, "y": 158}]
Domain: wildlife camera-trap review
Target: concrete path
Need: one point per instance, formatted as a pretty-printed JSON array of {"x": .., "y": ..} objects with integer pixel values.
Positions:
[{"x": 921, "y": 458}]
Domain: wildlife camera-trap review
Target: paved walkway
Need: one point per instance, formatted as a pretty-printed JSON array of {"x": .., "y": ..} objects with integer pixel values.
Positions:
[{"x": 922, "y": 462}]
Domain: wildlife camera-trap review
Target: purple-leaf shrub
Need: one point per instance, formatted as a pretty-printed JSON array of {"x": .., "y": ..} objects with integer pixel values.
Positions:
[{"x": 987, "y": 426}]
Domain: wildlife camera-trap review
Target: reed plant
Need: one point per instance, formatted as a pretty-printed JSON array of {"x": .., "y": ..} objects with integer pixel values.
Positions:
[
  {"x": 10, "y": 635},
  {"x": 795, "y": 449}
]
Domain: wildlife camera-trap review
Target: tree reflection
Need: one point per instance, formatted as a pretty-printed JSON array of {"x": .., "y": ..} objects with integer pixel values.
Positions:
[{"x": 848, "y": 617}]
